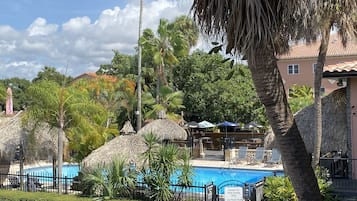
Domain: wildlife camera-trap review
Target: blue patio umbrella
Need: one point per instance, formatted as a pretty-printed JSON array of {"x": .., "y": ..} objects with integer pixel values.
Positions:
[{"x": 226, "y": 124}]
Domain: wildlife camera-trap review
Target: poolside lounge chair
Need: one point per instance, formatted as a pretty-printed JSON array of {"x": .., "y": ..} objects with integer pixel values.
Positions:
[
  {"x": 275, "y": 157},
  {"x": 259, "y": 155},
  {"x": 242, "y": 154}
]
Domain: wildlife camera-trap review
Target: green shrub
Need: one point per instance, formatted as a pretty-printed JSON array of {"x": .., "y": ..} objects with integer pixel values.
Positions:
[
  {"x": 111, "y": 181},
  {"x": 280, "y": 188}
]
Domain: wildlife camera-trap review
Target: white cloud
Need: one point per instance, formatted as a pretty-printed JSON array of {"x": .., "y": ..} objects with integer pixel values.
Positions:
[
  {"x": 80, "y": 43},
  {"x": 77, "y": 24},
  {"x": 40, "y": 28}
]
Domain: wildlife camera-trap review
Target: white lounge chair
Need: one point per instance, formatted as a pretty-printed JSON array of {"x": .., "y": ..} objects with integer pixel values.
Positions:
[
  {"x": 259, "y": 155},
  {"x": 275, "y": 157}
]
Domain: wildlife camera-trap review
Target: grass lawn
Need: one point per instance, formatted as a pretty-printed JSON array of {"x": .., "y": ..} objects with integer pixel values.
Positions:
[{"x": 10, "y": 195}]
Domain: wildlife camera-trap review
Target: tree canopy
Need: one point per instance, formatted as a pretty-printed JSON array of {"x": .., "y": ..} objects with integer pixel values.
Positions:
[{"x": 215, "y": 91}]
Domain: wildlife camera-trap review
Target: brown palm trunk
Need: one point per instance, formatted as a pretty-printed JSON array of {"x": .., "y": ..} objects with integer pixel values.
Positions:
[
  {"x": 317, "y": 94},
  {"x": 270, "y": 89}
]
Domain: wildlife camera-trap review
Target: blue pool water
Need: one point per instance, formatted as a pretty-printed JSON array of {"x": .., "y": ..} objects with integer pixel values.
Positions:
[
  {"x": 202, "y": 175},
  {"x": 206, "y": 175},
  {"x": 46, "y": 171}
]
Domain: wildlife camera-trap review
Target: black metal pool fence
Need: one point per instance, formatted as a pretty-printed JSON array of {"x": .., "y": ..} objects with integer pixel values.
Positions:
[{"x": 199, "y": 192}]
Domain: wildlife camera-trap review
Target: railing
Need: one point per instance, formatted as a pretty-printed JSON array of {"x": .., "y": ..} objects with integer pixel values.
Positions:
[
  {"x": 337, "y": 166},
  {"x": 204, "y": 192},
  {"x": 33, "y": 183}
]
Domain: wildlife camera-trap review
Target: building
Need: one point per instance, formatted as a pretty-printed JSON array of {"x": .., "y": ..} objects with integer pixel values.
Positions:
[{"x": 297, "y": 67}]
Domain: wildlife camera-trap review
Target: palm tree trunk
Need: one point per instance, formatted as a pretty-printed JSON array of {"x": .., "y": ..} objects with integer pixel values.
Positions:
[
  {"x": 139, "y": 111},
  {"x": 60, "y": 139},
  {"x": 317, "y": 93},
  {"x": 158, "y": 82},
  {"x": 270, "y": 89}
]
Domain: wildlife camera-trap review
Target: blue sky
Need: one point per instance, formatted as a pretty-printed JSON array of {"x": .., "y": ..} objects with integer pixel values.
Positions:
[
  {"x": 20, "y": 13},
  {"x": 75, "y": 36}
]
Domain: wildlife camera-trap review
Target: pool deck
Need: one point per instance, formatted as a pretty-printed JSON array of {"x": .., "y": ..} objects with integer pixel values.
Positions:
[{"x": 215, "y": 159}]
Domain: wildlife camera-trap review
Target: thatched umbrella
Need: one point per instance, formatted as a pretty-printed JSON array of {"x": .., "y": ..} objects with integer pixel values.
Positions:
[
  {"x": 334, "y": 124},
  {"x": 165, "y": 129},
  {"x": 128, "y": 147},
  {"x": 127, "y": 129}
]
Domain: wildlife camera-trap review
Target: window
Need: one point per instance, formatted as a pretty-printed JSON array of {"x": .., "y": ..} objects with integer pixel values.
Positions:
[
  {"x": 322, "y": 90},
  {"x": 314, "y": 67},
  {"x": 293, "y": 69}
]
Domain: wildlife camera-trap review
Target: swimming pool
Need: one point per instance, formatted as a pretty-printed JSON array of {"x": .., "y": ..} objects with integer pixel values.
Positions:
[
  {"x": 206, "y": 175},
  {"x": 202, "y": 175},
  {"x": 69, "y": 171}
]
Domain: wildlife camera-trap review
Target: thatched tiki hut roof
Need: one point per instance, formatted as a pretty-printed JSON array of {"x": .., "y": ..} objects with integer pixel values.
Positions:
[
  {"x": 39, "y": 144},
  {"x": 165, "y": 129},
  {"x": 128, "y": 147},
  {"x": 334, "y": 124},
  {"x": 127, "y": 129}
]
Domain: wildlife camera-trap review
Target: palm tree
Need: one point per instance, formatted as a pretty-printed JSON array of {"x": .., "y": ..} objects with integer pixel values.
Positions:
[
  {"x": 170, "y": 102},
  {"x": 172, "y": 41},
  {"x": 260, "y": 30},
  {"x": 60, "y": 107},
  {"x": 340, "y": 14},
  {"x": 139, "y": 92}
]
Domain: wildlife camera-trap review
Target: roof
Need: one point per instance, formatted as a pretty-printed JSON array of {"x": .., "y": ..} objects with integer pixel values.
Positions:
[
  {"x": 345, "y": 69},
  {"x": 165, "y": 129},
  {"x": 127, "y": 147},
  {"x": 127, "y": 129},
  {"x": 335, "y": 48},
  {"x": 92, "y": 75}
]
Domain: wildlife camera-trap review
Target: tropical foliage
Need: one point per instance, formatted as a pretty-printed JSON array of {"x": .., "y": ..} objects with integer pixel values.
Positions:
[
  {"x": 84, "y": 120},
  {"x": 162, "y": 50},
  {"x": 50, "y": 73},
  {"x": 111, "y": 181},
  {"x": 171, "y": 102},
  {"x": 18, "y": 87},
  {"x": 300, "y": 97},
  {"x": 280, "y": 188},
  {"x": 216, "y": 91},
  {"x": 122, "y": 65},
  {"x": 162, "y": 161}
]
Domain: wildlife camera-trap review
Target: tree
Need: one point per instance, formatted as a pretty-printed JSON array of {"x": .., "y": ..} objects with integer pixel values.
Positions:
[
  {"x": 170, "y": 102},
  {"x": 169, "y": 44},
  {"x": 340, "y": 14},
  {"x": 260, "y": 30},
  {"x": 59, "y": 107},
  {"x": 122, "y": 65},
  {"x": 19, "y": 87},
  {"x": 50, "y": 73},
  {"x": 216, "y": 91}
]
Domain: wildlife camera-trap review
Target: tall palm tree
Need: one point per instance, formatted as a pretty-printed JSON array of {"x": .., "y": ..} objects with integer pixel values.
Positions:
[
  {"x": 260, "y": 30},
  {"x": 172, "y": 41},
  {"x": 57, "y": 106},
  {"x": 341, "y": 14}
]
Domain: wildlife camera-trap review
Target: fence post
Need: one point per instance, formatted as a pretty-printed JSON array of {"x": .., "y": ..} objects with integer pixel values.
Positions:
[
  {"x": 65, "y": 185},
  {"x": 27, "y": 182},
  {"x": 205, "y": 192}
]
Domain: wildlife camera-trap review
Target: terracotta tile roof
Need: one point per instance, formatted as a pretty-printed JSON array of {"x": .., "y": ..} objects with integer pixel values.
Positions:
[
  {"x": 341, "y": 67},
  {"x": 94, "y": 76},
  {"x": 310, "y": 51}
]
